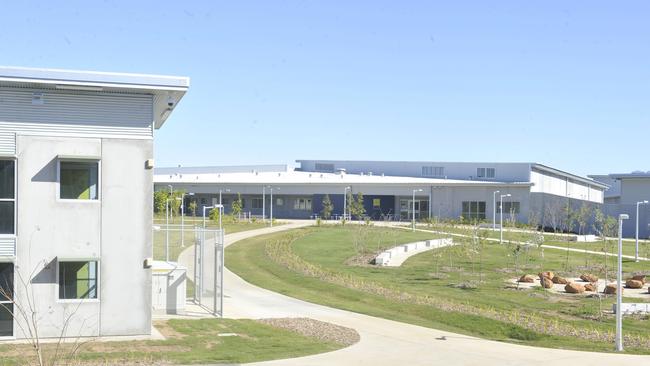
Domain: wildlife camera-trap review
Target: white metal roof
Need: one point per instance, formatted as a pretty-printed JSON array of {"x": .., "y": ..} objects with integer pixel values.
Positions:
[
  {"x": 163, "y": 88},
  {"x": 299, "y": 177}
]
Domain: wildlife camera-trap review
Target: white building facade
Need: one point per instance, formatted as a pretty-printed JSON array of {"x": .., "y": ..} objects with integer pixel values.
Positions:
[
  {"x": 76, "y": 174},
  {"x": 442, "y": 190}
]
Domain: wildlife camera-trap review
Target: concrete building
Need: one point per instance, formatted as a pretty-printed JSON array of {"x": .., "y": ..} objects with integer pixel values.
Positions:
[
  {"x": 442, "y": 189},
  {"x": 76, "y": 174},
  {"x": 625, "y": 190}
]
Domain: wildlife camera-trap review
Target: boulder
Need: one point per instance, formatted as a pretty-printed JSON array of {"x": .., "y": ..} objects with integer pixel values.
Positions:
[
  {"x": 632, "y": 283},
  {"x": 639, "y": 278},
  {"x": 574, "y": 288},
  {"x": 560, "y": 280},
  {"x": 610, "y": 289},
  {"x": 590, "y": 287},
  {"x": 587, "y": 277},
  {"x": 547, "y": 274},
  {"x": 527, "y": 278},
  {"x": 546, "y": 282}
]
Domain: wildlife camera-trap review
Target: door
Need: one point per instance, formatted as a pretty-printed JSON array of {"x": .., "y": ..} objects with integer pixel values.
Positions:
[{"x": 6, "y": 299}]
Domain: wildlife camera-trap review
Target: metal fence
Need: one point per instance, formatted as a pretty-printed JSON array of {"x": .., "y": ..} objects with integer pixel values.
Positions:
[{"x": 208, "y": 269}]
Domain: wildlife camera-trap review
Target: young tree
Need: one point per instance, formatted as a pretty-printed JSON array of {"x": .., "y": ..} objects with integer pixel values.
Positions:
[
  {"x": 160, "y": 200},
  {"x": 237, "y": 206},
  {"x": 582, "y": 217},
  {"x": 328, "y": 207},
  {"x": 552, "y": 213},
  {"x": 358, "y": 208},
  {"x": 192, "y": 207}
]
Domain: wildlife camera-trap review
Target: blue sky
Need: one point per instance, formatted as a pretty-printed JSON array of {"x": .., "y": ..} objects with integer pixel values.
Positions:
[{"x": 557, "y": 82}]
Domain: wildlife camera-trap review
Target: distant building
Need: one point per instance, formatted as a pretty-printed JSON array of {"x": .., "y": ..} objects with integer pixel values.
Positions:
[
  {"x": 442, "y": 189},
  {"x": 624, "y": 193},
  {"x": 76, "y": 173}
]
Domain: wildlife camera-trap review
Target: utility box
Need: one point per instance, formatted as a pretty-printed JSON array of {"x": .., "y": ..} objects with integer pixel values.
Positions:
[{"x": 168, "y": 282}]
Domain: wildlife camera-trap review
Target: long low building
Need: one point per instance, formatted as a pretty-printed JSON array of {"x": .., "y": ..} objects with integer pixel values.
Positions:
[{"x": 390, "y": 189}]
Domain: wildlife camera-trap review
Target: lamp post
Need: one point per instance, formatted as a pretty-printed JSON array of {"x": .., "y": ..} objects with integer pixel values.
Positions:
[
  {"x": 271, "y": 205},
  {"x": 619, "y": 289},
  {"x": 501, "y": 216},
  {"x": 263, "y": 203},
  {"x": 345, "y": 201},
  {"x": 206, "y": 208},
  {"x": 494, "y": 209},
  {"x": 413, "y": 218},
  {"x": 636, "y": 249}
]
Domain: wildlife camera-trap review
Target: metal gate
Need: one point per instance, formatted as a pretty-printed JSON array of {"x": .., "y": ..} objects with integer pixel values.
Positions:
[{"x": 208, "y": 269}]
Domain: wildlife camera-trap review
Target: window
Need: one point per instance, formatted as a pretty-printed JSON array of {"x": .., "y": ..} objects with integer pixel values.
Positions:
[
  {"x": 433, "y": 171},
  {"x": 376, "y": 203},
  {"x": 78, "y": 180},
  {"x": 279, "y": 201},
  {"x": 509, "y": 207},
  {"x": 6, "y": 299},
  {"x": 225, "y": 201},
  {"x": 7, "y": 196},
  {"x": 473, "y": 210},
  {"x": 256, "y": 202},
  {"x": 322, "y": 167},
  {"x": 78, "y": 280},
  {"x": 302, "y": 204},
  {"x": 485, "y": 172}
]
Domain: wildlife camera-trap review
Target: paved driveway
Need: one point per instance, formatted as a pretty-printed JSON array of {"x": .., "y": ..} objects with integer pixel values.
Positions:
[{"x": 385, "y": 342}]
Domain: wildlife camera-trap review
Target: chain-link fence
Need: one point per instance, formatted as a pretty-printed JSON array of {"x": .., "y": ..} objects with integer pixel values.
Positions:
[{"x": 208, "y": 269}]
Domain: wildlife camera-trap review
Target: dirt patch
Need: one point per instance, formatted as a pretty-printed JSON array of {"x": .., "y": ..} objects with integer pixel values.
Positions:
[
  {"x": 137, "y": 346},
  {"x": 167, "y": 331},
  {"x": 362, "y": 260},
  {"x": 316, "y": 329}
]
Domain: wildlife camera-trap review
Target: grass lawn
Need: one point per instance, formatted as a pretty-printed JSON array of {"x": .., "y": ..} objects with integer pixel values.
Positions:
[
  {"x": 460, "y": 289},
  {"x": 188, "y": 342},
  {"x": 175, "y": 248}
]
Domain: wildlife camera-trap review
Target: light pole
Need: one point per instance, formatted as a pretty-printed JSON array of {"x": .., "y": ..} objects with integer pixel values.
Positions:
[
  {"x": 494, "y": 209},
  {"x": 220, "y": 191},
  {"x": 183, "y": 217},
  {"x": 619, "y": 287},
  {"x": 501, "y": 217},
  {"x": 271, "y": 206},
  {"x": 206, "y": 208},
  {"x": 413, "y": 220},
  {"x": 263, "y": 203},
  {"x": 345, "y": 201},
  {"x": 636, "y": 250}
]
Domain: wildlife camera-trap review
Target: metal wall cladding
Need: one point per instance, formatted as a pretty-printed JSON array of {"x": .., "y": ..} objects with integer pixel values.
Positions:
[
  {"x": 7, "y": 247},
  {"x": 72, "y": 113}
]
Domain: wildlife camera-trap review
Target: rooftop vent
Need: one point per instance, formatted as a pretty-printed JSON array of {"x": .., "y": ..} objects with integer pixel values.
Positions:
[
  {"x": 340, "y": 171},
  {"x": 370, "y": 173}
]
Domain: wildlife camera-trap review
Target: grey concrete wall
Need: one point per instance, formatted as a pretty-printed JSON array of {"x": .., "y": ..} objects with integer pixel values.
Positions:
[
  {"x": 634, "y": 190},
  {"x": 126, "y": 236},
  {"x": 114, "y": 229}
]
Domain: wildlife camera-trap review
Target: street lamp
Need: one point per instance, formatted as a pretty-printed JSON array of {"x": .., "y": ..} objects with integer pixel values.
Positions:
[
  {"x": 636, "y": 251},
  {"x": 220, "y": 191},
  {"x": 345, "y": 201},
  {"x": 501, "y": 217},
  {"x": 413, "y": 221},
  {"x": 183, "y": 217},
  {"x": 271, "y": 207},
  {"x": 263, "y": 203},
  {"x": 619, "y": 287},
  {"x": 494, "y": 209},
  {"x": 206, "y": 208}
]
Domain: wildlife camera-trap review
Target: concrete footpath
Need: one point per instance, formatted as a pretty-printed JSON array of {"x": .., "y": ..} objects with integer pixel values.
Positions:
[{"x": 386, "y": 342}]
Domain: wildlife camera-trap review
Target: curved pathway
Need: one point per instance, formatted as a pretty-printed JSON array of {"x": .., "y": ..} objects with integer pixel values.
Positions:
[{"x": 386, "y": 342}]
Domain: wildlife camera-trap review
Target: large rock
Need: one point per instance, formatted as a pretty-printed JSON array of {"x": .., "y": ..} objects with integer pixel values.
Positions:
[
  {"x": 547, "y": 274},
  {"x": 546, "y": 282},
  {"x": 588, "y": 277},
  {"x": 590, "y": 287},
  {"x": 560, "y": 280},
  {"x": 574, "y": 288},
  {"x": 610, "y": 289},
  {"x": 639, "y": 278},
  {"x": 632, "y": 283},
  {"x": 527, "y": 278}
]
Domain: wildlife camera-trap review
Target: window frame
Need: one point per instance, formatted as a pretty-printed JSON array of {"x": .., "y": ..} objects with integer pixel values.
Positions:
[
  {"x": 255, "y": 202},
  {"x": 78, "y": 160},
  {"x": 58, "y": 280},
  {"x": 14, "y": 200},
  {"x": 433, "y": 171},
  {"x": 11, "y": 301},
  {"x": 484, "y": 172},
  {"x": 474, "y": 210}
]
